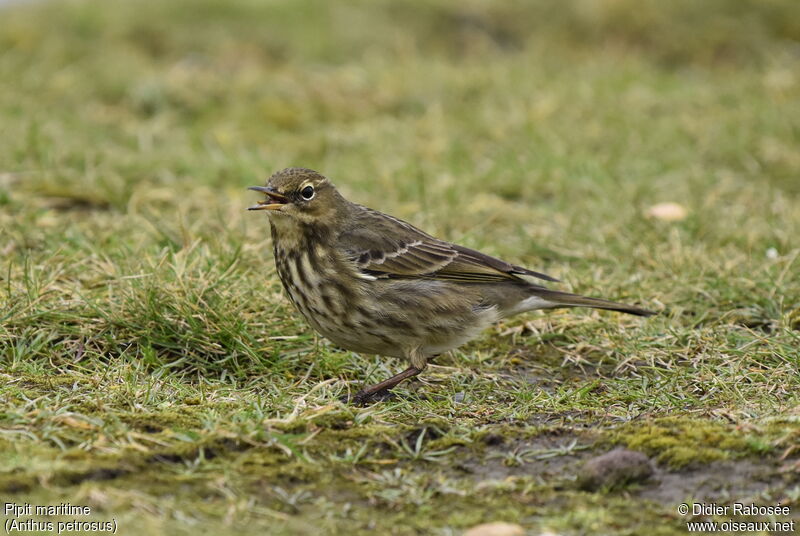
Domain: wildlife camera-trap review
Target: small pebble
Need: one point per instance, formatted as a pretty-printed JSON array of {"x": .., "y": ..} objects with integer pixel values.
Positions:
[{"x": 615, "y": 469}]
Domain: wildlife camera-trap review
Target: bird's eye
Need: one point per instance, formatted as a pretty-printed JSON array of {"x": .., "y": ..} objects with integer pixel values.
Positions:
[{"x": 307, "y": 192}]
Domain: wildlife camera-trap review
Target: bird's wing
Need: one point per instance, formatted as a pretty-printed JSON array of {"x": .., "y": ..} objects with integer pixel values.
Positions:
[{"x": 385, "y": 247}]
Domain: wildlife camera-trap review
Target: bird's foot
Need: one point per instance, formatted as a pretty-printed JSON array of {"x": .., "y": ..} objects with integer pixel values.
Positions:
[
  {"x": 381, "y": 392},
  {"x": 365, "y": 398}
]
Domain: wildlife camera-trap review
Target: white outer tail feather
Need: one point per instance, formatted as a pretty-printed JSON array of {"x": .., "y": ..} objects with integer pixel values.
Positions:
[{"x": 532, "y": 303}]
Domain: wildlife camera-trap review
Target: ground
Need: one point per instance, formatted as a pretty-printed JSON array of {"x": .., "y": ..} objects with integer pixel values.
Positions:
[{"x": 151, "y": 369}]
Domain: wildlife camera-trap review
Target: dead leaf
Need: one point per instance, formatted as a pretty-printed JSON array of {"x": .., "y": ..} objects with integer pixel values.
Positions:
[
  {"x": 496, "y": 529},
  {"x": 667, "y": 212}
]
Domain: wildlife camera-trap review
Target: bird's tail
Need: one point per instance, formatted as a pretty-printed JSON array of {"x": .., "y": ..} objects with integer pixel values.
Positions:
[{"x": 565, "y": 299}]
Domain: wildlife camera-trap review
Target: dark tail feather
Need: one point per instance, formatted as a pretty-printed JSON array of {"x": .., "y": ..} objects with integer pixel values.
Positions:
[{"x": 565, "y": 299}]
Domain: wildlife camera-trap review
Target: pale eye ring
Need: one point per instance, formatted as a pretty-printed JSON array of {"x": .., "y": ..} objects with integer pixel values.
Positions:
[{"x": 307, "y": 193}]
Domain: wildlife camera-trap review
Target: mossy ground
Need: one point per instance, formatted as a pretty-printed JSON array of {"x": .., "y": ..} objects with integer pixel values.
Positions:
[{"x": 151, "y": 369}]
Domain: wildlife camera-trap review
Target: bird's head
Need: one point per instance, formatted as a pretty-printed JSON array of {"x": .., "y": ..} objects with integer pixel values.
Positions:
[{"x": 300, "y": 194}]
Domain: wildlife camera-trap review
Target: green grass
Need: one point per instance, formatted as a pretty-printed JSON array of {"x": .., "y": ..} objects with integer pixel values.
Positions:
[{"x": 151, "y": 368}]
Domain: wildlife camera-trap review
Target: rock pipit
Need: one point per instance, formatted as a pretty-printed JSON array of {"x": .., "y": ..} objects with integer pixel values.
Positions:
[{"x": 374, "y": 284}]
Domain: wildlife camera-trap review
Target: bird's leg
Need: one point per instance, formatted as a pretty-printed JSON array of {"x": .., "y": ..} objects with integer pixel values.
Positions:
[{"x": 379, "y": 388}]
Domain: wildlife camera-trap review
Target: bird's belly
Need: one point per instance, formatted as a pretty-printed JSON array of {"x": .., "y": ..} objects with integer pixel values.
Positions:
[
  {"x": 345, "y": 324},
  {"x": 380, "y": 317},
  {"x": 460, "y": 330}
]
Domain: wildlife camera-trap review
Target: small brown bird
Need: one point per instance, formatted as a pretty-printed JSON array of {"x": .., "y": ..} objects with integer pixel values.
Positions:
[{"x": 374, "y": 284}]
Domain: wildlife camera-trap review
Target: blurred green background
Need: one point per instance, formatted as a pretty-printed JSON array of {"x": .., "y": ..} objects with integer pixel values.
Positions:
[{"x": 137, "y": 296}]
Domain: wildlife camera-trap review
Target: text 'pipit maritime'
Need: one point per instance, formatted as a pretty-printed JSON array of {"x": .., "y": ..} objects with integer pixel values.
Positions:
[{"x": 374, "y": 284}]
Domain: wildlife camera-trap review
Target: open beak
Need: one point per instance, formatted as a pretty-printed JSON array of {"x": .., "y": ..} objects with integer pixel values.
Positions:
[{"x": 274, "y": 200}]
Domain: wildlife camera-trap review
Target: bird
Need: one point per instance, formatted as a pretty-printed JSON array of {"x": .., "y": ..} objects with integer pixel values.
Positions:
[{"x": 374, "y": 284}]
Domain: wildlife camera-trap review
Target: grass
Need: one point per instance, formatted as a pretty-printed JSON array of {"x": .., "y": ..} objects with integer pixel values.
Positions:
[{"x": 152, "y": 370}]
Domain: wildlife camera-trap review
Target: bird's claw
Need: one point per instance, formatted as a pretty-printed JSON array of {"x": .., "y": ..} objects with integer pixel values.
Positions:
[{"x": 364, "y": 399}]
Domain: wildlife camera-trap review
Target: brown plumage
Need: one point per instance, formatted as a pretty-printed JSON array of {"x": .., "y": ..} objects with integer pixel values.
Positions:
[{"x": 372, "y": 283}]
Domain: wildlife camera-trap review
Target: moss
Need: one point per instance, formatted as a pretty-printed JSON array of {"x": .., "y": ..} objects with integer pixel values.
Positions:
[
  {"x": 361, "y": 433},
  {"x": 336, "y": 420},
  {"x": 261, "y": 458},
  {"x": 680, "y": 442},
  {"x": 151, "y": 422},
  {"x": 16, "y": 484}
]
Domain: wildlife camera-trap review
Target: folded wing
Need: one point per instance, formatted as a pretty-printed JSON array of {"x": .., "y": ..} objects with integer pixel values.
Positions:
[{"x": 385, "y": 247}]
